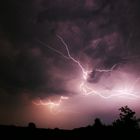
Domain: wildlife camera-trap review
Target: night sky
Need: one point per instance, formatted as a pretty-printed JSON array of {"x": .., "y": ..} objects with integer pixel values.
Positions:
[{"x": 65, "y": 62}]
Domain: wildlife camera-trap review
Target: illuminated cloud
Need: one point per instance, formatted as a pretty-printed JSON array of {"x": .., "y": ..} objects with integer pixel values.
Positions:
[{"x": 86, "y": 51}]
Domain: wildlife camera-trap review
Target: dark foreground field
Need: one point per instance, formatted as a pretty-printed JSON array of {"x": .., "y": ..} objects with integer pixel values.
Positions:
[
  {"x": 127, "y": 126},
  {"x": 107, "y": 132}
]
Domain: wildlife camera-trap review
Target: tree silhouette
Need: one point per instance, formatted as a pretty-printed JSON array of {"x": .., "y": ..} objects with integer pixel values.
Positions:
[
  {"x": 97, "y": 123},
  {"x": 31, "y": 125},
  {"x": 127, "y": 119}
]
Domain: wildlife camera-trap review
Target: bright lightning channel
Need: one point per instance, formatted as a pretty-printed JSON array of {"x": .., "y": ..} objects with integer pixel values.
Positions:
[
  {"x": 85, "y": 72},
  {"x": 106, "y": 70},
  {"x": 86, "y": 90},
  {"x": 52, "y": 105},
  {"x": 90, "y": 91}
]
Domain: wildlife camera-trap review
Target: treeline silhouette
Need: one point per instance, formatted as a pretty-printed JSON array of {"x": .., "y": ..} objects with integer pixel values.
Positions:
[{"x": 125, "y": 127}]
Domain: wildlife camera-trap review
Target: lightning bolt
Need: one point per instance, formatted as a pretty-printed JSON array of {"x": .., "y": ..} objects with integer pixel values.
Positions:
[
  {"x": 51, "y": 48},
  {"x": 52, "y": 105},
  {"x": 86, "y": 90},
  {"x": 90, "y": 91},
  {"x": 106, "y": 70},
  {"x": 85, "y": 72}
]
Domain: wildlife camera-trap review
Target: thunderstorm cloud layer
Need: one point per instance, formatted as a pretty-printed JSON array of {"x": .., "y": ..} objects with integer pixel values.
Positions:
[{"x": 68, "y": 59}]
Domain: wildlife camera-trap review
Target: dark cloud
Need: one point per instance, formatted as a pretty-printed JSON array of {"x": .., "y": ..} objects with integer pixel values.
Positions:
[
  {"x": 62, "y": 11},
  {"x": 106, "y": 31},
  {"x": 101, "y": 34}
]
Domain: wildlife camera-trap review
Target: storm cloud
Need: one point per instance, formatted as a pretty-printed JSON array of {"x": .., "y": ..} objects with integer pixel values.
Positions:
[{"x": 104, "y": 32}]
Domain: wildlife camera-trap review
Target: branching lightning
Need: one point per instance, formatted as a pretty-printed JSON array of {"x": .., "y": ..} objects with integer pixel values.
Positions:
[
  {"x": 83, "y": 86},
  {"x": 52, "y": 105},
  {"x": 90, "y": 91},
  {"x": 85, "y": 72},
  {"x": 106, "y": 70},
  {"x": 51, "y": 48}
]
